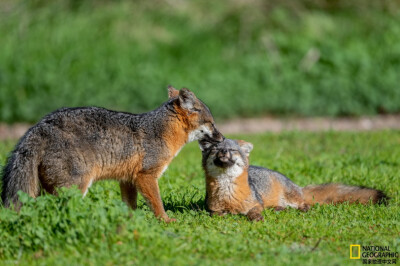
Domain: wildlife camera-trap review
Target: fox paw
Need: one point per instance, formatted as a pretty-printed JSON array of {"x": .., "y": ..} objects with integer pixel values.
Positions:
[
  {"x": 304, "y": 207},
  {"x": 168, "y": 220},
  {"x": 279, "y": 208},
  {"x": 255, "y": 217}
]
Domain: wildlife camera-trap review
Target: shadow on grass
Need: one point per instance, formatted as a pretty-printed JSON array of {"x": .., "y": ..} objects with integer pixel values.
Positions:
[{"x": 185, "y": 203}]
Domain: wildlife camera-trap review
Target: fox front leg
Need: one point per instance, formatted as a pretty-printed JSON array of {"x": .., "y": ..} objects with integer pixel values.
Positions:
[
  {"x": 129, "y": 193},
  {"x": 255, "y": 214},
  {"x": 148, "y": 187}
]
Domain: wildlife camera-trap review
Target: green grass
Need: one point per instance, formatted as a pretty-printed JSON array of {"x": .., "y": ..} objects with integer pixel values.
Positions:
[
  {"x": 100, "y": 229},
  {"x": 243, "y": 58}
]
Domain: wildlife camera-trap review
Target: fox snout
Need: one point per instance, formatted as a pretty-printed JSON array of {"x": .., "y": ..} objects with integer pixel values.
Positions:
[
  {"x": 216, "y": 135},
  {"x": 224, "y": 159}
]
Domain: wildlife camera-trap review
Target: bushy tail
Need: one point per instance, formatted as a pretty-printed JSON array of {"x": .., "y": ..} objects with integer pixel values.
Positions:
[
  {"x": 338, "y": 193},
  {"x": 21, "y": 172}
]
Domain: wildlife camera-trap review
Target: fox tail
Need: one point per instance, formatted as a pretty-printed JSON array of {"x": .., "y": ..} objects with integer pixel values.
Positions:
[
  {"x": 338, "y": 193},
  {"x": 21, "y": 172}
]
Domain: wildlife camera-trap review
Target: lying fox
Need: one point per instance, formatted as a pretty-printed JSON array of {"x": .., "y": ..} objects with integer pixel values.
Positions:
[
  {"x": 232, "y": 186},
  {"x": 79, "y": 146}
]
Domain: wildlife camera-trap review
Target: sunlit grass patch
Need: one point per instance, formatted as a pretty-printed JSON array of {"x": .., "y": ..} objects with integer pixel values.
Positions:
[{"x": 100, "y": 229}]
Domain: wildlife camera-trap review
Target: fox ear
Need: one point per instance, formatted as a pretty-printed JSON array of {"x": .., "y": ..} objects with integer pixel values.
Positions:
[
  {"x": 204, "y": 145},
  {"x": 246, "y": 147},
  {"x": 172, "y": 92},
  {"x": 187, "y": 99}
]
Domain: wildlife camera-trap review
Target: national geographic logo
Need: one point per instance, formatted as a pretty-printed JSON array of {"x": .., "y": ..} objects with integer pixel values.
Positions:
[
  {"x": 374, "y": 254},
  {"x": 355, "y": 251}
]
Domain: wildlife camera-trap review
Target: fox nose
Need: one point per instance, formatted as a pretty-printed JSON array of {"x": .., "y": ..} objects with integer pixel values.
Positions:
[{"x": 224, "y": 155}]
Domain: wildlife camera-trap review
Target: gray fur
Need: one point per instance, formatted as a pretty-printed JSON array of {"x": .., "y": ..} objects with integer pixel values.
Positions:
[
  {"x": 266, "y": 184},
  {"x": 260, "y": 180},
  {"x": 57, "y": 142},
  {"x": 61, "y": 148}
]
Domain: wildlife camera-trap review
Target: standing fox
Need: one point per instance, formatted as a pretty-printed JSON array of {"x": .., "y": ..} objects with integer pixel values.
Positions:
[
  {"x": 79, "y": 146},
  {"x": 232, "y": 186}
]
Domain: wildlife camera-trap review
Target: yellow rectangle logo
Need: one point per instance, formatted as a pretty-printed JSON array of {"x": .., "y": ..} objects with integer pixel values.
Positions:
[{"x": 358, "y": 253}]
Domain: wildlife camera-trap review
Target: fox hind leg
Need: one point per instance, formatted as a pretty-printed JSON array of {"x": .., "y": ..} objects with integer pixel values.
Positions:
[
  {"x": 295, "y": 199},
  {"x": 129, "y": 193}
]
